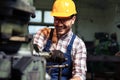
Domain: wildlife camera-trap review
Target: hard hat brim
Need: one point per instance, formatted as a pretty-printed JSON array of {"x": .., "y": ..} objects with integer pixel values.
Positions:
[{"x": 61, "y": 14}]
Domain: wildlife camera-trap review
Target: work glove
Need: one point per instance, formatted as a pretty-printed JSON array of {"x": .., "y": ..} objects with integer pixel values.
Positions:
[
  {"x": 36, "y": 48},
  {"x": 57, "y": 56}
]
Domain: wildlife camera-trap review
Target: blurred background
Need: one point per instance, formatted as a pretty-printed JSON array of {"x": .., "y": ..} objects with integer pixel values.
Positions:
[{"x": 97, "y": 23}]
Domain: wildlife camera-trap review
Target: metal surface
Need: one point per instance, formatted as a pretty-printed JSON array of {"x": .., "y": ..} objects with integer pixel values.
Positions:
[
  {"x": 5, "y": 66},
  {"x": 34, "y": 69},
  {"x": 14, "y": 19}
]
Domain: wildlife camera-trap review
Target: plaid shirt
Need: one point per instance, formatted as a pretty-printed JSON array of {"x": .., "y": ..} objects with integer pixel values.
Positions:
[{"x": 78, "y": 51}]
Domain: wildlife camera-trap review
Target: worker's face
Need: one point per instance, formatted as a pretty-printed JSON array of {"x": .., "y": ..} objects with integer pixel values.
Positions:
[{"x": 63, "y": 24}]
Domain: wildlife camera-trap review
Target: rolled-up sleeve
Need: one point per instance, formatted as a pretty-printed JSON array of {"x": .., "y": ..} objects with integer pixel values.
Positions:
[
  {"x": 79, "y": 62},
  {"x": 39, "y": 39}
]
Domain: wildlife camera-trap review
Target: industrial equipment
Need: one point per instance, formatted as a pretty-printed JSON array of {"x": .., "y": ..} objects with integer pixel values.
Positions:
[{"x": 16, "y": 59}]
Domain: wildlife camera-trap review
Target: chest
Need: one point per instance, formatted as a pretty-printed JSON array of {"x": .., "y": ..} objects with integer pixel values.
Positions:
[{"x": 61, "y": 45}]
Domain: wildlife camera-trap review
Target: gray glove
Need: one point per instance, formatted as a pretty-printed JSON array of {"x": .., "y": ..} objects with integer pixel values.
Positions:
[
  {"x": 36, "y": 48},
  {"x": 57, "y": 56}
]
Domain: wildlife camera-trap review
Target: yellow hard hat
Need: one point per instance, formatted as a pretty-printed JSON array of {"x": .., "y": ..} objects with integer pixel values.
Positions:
[{"x": 63, "y": 8}]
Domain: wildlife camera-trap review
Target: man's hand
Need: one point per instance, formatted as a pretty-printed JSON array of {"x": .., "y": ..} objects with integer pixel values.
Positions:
[
  {"x": 57, "y": 56},
  {"x": 75, "y": 78},
  {"x": 36, "y": 48}
]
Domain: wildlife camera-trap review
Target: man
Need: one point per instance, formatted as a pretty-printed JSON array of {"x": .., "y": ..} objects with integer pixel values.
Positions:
[{"x": 63, "y": 39}]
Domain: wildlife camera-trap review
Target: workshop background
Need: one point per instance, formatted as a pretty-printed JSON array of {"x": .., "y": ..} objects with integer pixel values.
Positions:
[{"x": 97, "y": 23}]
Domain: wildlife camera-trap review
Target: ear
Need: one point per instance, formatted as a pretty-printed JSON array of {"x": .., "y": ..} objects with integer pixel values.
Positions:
[{"x": 73, "y": 19}]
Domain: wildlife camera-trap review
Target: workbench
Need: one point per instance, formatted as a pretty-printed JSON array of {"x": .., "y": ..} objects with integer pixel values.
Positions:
[{"x": 105, "y": 66}]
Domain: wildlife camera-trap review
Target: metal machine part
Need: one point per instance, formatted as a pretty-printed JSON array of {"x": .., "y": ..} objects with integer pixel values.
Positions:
[
  {"x": 54, "y": 56},
  {"x": 29, "y": 68},
  {"x": 14, "y": 19},
  {"x": 5, "y": 66},
  {"x": 118, "y": 26}
]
